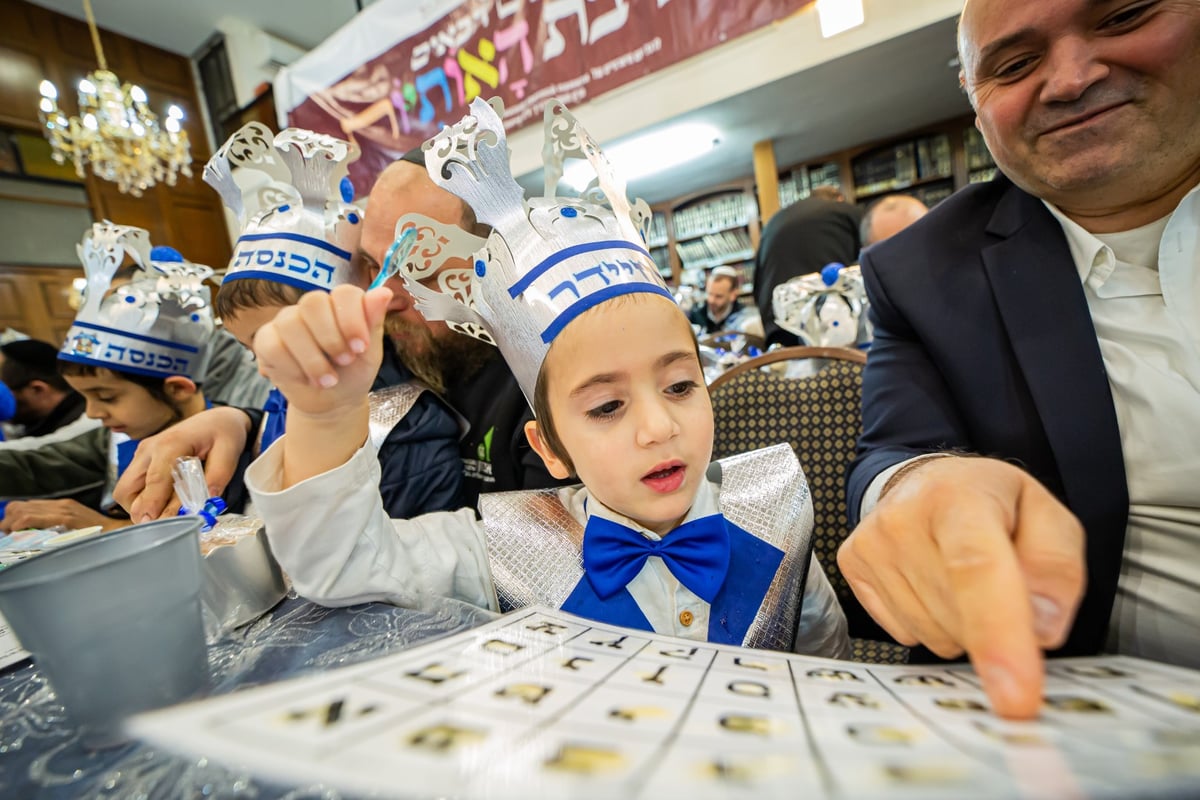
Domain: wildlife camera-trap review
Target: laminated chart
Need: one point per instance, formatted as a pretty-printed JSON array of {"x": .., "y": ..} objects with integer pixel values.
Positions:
[{"x": 540, "y": 703}]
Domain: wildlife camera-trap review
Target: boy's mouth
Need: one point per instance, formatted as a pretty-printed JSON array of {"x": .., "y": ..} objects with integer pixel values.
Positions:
[{"x": 665, "y": 477}]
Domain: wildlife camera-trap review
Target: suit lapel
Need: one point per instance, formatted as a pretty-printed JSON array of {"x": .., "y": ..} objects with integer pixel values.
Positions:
[{"x": 1041, "y": 301}]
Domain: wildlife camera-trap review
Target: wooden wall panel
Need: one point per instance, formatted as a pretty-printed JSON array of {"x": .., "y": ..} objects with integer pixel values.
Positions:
[
  {"x": 20, "y": 73},
  {"x": 34, "y": 300},
  {"x": 37, "y": 43}
]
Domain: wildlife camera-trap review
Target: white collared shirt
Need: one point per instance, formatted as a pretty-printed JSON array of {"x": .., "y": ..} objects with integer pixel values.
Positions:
[
  {"x": 332, "y": 536},
  {"x": 1143, "y": 292}
]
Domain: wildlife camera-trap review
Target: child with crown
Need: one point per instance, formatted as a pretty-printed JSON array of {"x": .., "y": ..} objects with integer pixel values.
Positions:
[
  {"x": 655, "y": 538},
  {"x": 299, "y": 235},
  {"x": 138, "y": 351}
]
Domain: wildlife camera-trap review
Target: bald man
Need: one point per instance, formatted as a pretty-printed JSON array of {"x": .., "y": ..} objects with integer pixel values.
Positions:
[
  {"x": 889, "y": 215},
  {"x": 1027, "y": 477}
]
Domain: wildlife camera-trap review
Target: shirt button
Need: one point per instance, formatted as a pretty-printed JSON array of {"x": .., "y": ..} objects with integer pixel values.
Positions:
[{"x": 685, "y": 618}]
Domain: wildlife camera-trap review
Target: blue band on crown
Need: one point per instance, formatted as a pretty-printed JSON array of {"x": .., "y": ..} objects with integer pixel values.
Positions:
[{"x": 570, "y": 252}]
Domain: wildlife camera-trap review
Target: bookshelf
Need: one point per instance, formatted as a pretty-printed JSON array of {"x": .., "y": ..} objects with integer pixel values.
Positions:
[
  {"x": 721, "y": 226},
  {"x": 929, "y": 164},
  {"x": 712, "y": 228}
]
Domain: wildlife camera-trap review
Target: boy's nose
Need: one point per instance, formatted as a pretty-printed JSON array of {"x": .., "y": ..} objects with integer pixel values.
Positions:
[{"x": 656, "y": 424}]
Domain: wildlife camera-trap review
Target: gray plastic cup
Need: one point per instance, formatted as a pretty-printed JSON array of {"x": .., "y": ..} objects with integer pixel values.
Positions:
[{"x": 114, "y": 622}]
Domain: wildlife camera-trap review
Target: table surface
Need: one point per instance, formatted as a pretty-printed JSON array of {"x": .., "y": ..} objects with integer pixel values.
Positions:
[{"x": 41, "y": 755}]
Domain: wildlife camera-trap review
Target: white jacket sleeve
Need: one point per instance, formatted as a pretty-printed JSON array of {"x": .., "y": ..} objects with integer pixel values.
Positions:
[
  {"x": 332, "y": 536},
  {"x": 822, "y": 630}
]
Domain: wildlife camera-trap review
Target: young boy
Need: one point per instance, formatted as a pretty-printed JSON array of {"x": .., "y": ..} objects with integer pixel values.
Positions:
[
  {"x": 300, "y": 241},
  {"x": 655, "y": 538},
  {"x": 137, "y": 353}
]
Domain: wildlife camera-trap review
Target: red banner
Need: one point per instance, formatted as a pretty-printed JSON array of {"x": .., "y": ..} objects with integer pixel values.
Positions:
[{"x": 523, "y": 51}]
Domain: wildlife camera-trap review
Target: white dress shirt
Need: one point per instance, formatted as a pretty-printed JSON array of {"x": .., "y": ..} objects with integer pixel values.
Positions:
[
  {"x": 332, "y": 536},
  {"x": 1143, "y": 292}
]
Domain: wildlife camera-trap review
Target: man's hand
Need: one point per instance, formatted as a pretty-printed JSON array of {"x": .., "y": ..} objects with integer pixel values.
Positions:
[
  {"x": 972, "y": 555},
  {"x": 216, "y": 436},
  {"x": 22, "y": 514},
  {"x": 323, "y": 352}
]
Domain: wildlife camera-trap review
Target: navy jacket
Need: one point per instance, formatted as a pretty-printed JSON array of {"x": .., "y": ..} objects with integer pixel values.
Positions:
[
  {"x": 421, "y": 469},
  {"x": 984, "y": 343}
]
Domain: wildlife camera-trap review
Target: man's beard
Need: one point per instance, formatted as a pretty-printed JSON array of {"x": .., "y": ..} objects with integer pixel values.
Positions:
[{"x": 436, "y": 360}]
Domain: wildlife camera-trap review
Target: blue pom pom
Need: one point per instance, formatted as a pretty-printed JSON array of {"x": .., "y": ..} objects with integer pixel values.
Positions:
[
  {"x": 164, "y": 253},
  {"x": 480, "y": 268},
  {"x": 347, "y": 189},
  {"x": 353, "y": 218},
  {"x": 130, "y": 298},
  {"x": 8, "y": 403},
  {"x": 829, "y": 274},
  {"x": 569, "y": 212}
]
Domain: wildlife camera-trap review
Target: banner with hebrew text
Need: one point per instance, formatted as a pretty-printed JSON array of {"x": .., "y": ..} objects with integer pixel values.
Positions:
[{"x": 523, "y": 51}]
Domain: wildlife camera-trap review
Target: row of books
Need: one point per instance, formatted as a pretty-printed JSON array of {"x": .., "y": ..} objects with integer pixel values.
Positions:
[
  {"x": 715, "y": 249},
  {"x": 720, "y": 213}
]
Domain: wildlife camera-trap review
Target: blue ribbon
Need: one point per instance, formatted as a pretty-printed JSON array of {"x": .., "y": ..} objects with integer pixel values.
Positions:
[
  {"x": 276, "y": 419},
  {"x": 696, "y": 553}
]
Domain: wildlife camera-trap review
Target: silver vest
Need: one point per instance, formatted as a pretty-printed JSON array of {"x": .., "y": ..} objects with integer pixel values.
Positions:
[
  {"x": 535, "y": 545},
  {"x": 388, "y": 406}
]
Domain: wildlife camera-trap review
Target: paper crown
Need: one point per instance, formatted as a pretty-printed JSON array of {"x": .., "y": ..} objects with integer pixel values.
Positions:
[
  {"x": 822, "y": 308},
  {"x": 157, "y": 324},
  {"x": 298, "y": 224},
  {"x": 547, "y": 260}
]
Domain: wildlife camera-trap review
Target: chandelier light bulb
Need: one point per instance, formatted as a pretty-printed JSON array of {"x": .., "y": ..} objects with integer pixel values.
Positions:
[
  {"x": 137, "y": 128},
  {"x": 172, "y": 125},
  {"x": 137, "y": 93},
  {"x": 175, "y": 112},
  {"x": 48, "y": 90},
  {"x": 47, "y": 105},
  {"x": 87, "y": 87},
  {"x": 89, "y": 122}
]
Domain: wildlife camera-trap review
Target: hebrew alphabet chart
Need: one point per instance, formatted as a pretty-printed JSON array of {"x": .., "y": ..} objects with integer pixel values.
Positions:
[{"x": 540, "y": 703}]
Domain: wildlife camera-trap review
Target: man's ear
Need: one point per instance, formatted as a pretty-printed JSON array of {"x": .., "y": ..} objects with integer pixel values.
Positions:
[
  {"x": 179, "y": 388},
  {"x": 554, "y": 465}
]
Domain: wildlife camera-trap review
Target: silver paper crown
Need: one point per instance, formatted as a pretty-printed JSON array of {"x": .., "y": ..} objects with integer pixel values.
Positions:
[
  {"x": 298, "y": 227},
  {"x": 158, "y": 324},
  {"x": 824, "y": 309},
  {"x": 547, "y": 260}
]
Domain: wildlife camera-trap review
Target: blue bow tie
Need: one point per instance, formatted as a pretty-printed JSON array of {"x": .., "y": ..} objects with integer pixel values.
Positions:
[
  {"x": 274, "y": 424},
  {"x": 696, "y": 553}
]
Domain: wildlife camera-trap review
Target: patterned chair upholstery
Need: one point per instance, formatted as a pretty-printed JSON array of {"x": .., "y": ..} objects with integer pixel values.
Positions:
[{"x": 820, "y": 416}]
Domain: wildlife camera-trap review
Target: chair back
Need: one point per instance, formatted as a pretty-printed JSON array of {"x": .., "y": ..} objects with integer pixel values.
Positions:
[{"x": 757, "y": 404}]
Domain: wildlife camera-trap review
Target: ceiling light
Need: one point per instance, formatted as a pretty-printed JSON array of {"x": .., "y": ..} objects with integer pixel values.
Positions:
[
  {"x": 116, "y": 132},
  {"x": 837, "y": 16},
  {"x": 649, "y": 153}
]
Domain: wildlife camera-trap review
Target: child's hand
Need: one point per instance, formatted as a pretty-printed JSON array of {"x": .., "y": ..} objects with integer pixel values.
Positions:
[{"x": 323, "y": 353}]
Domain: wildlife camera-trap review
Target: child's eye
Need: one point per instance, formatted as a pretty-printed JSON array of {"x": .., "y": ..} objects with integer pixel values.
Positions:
[
  {"x": 605, "y": 411},
  {"x": 682, "y": 388},
  {"x": 104, "y": 399}
]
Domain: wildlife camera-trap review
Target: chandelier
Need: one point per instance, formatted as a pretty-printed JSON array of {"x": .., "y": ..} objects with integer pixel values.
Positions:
[{"x": 115, "y": 130}]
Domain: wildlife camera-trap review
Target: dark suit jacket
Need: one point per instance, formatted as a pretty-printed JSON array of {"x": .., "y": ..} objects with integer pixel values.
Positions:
[{"x": 984, "y": 343}]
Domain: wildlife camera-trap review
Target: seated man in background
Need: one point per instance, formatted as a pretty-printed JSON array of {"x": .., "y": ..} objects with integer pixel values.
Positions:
[
  {"x": 137, "y": 353},
  {"x": 888, "y": 216},
  {"x": 801, "y": 239},
  {"x": 722, "y": 309},
  {"x": 45, "y": 403},
  {"x": 473, "y": 377},
  {"x": 1035, "y": 374}
]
